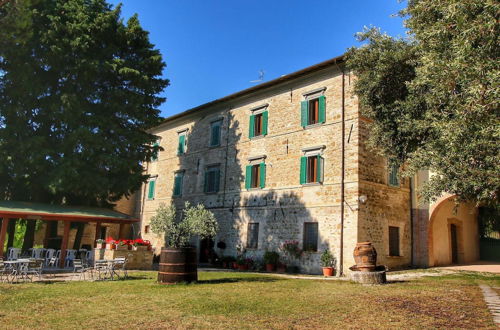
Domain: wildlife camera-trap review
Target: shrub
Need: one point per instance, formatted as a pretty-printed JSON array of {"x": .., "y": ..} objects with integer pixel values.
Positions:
[
  {"x": 197, "y": 221},
  {"x": 271, "y": 257},
  {"x": 327, "y": 259}
]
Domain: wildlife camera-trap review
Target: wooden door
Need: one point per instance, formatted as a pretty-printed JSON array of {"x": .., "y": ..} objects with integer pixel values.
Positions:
[{"x": 454, "y": 244}]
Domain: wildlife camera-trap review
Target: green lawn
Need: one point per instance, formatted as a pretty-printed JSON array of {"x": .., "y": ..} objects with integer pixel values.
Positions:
[{"x": 239, "y": 300}]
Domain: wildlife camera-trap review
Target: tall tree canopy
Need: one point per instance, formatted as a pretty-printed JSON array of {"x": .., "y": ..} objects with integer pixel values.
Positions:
[
  {"x": 78, "y": 90},
  {"x": 434, "y": 96}
]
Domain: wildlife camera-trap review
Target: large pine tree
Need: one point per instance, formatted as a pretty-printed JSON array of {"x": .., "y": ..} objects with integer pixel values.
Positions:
[{"x": 78, "y": 90}]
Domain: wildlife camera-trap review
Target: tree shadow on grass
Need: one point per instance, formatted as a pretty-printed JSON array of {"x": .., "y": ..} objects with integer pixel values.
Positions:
[{"x": 239, "y": 279}]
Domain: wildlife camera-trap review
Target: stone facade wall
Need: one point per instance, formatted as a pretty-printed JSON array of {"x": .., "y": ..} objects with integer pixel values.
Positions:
[
  {"x": 385, "y": 205},
  {"x": 284, "y": 205}
]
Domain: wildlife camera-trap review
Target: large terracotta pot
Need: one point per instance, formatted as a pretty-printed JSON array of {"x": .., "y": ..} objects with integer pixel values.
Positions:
[
  {"x": 328, "y": 271},
  {"x": 178, "y": 265},
  {"x": 365, "y": 256}
]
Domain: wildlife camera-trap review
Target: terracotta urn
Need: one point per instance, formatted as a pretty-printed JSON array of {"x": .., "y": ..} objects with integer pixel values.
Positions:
[{"x": 365, "y": 256}]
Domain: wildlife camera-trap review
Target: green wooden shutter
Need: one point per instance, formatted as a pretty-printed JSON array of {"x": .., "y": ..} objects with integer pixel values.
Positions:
[
  {"x": 215, "y": 138},
  {"x": 217, "y": 180},
  {"x": 205, "y": 185},
  {"x": 393, "y": 175},
  {"x": 303, "y": 170},
  {"x": 304, "y": 113},
  {"x": 248, "y": 177},
  {"x": 155, "y": 152},
  {"x": 322, "y": 109},
  {"x": 251, "y": 132},
  {"x": 264, "y": 123},
  {"x": 182, "y": 141},
  {"x": 319, "y": 177},
  {"x": 151, "y": 192},
  {"x": 178, "y": 185},
  {"x": 262, "y": 175}
]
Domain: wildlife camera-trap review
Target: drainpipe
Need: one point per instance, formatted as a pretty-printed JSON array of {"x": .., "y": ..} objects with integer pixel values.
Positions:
[
  {"x": 342, "y": 177},
  {"x": 226, "y": 160}
]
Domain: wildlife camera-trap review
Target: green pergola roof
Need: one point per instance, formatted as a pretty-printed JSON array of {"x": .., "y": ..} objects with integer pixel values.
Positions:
[{"x": 28, "y": 210}]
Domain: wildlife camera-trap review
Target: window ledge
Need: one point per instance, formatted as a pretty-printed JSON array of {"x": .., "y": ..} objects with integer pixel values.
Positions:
[
  {"x": 211, "y": 192},
  {"x": 394, "y": 257},
  {"x": 258, "y": 137},
  {"x": 213, "y": 147},
  {"x": 256, "y": 188},
  {"x": 313, "y": 126},
  {"x": 312, "y": 184}
]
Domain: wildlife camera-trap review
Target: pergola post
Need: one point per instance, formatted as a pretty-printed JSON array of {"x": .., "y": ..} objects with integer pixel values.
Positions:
[
  {"x": 3, "y": 232},
  {"x": 120, "y": 231},
  {"x": 97, "y": 232},
  {"x": 64, "y": 243},
  {"x": 47, "y": 235}
]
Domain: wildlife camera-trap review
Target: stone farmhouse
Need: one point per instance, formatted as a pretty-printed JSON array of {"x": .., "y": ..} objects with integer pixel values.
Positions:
[{"x": 288, "y": 160}]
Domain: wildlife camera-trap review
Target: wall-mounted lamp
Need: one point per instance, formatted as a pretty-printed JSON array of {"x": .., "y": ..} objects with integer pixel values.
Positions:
[{"x": 362, "y": 199}]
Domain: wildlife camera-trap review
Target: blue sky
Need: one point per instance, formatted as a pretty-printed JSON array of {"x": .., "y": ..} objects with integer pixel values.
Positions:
[{"x": 216, "y": 47}]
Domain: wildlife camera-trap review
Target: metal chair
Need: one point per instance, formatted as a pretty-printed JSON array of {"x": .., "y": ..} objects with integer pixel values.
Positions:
[
  {"x": 4, "y": 271},
  {"x": 13, "y": 253},
  {"x": 102, "y": 268},
  {"x": 34, "y": 268},
  {"x": 119, "y": 264},
  {"x": 80, "y": 268},
  {"x": 70, "y": 256},
  {"x": 49, "y": 254}
]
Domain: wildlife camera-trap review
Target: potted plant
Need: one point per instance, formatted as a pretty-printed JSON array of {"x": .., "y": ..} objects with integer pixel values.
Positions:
[
  {"x": 140, "y": 244},
  {"x": 327, "y": 261},
  {"x": 178, "y": 259},
  {"x": 271, "y": 258},
  {"x": 100, "y": 244},
  {"x": 110, "y": 243},
  {"x": 122, "y": 245},
  {"x": 281, "y": 267},
  {"x": 242, "y": 263}
]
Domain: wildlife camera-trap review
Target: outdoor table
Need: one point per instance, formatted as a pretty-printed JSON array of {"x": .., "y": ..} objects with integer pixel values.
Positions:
[
  {"x": 15, "y": 266},
  {"x": 109, "y": 267}
]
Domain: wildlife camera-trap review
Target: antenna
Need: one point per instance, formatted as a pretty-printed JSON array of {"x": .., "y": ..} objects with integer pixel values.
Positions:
[{"x": 261, "y": 76}]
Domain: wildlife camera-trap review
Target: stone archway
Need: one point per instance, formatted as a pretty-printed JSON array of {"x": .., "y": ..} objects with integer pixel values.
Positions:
[{"x": 452, "y": 232}]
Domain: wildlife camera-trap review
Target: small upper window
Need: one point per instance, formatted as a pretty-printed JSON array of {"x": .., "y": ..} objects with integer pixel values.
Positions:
[
  {"x": 258, "y": 123},
  {"x": 313, "y": 111},
  {"x": 311, "y": 169},
  {"x": 181, "y": 147},
  {"x": 156, "y": 150},
  {"x": 393, "y": 178},
  {"x": 215, "y": 133},
  {"x": 151, "y": 189}
]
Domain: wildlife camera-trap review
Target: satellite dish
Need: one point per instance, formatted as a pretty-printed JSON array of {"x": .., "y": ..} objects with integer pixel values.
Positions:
[{"x": 261, "y": 76}]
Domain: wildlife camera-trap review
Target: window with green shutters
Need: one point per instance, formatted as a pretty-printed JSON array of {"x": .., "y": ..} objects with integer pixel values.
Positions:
[
  {"x": 313, "y": 111},
  {"x": 178, "y": 180},
  {"x": 393, "y": 178},
  {"x": 151, "y": 189},
  {"x": 181, "y": 149},
  {"x": 215, "y": 133},
  {"x": 156, "y": 150},
  {"x": 255, "y": 176},
  {"x": 212, "y": 179},
  {"x": 311, "y": 169},
  {"x": 258, "y": 124}
]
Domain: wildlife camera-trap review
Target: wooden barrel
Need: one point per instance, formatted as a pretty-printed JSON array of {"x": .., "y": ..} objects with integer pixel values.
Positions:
[{"x": 178, "y": 265}]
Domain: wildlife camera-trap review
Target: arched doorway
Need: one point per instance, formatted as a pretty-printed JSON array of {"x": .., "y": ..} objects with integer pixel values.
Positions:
[{"x": 453, "y": 233}]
